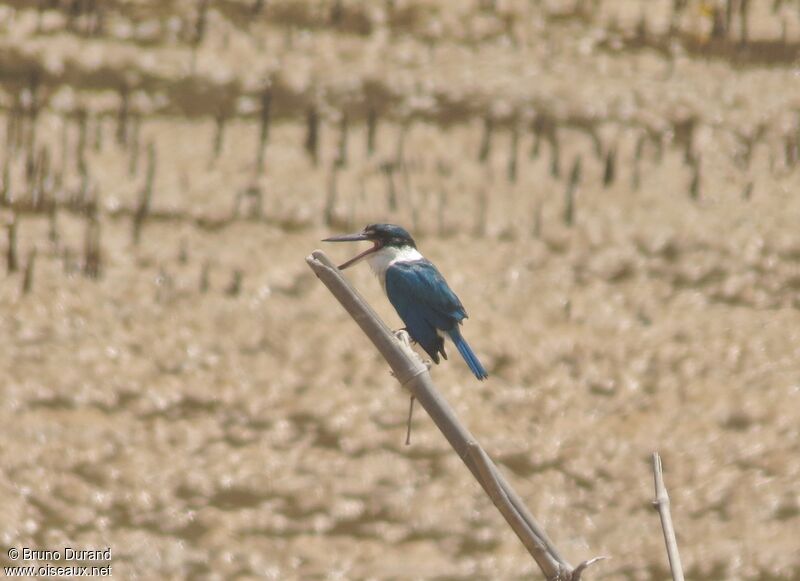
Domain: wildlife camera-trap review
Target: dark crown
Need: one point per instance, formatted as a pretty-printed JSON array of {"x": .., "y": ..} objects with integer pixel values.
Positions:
[{"x": 390, "y": 235}]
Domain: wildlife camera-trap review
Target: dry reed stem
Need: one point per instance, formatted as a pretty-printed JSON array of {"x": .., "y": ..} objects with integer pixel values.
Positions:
[
  {"x": 52, "y": 224},
  {"x": 610, "y": 167},
  {"x": 391, "y": 189},
  {"x": 332, "y": 196},
  {"x": 537, "y": 220},
  {"x": 92, "y": 255},
  {"x": 204, "y": 277},
  {"x": 482, "y": 215},
  {"x": 122, "y": 116},
  {"x": 220, "y": 121},
  {"x": 136, "y": 129},
  {"x": 263, "y": 136},
  {"x": 5, "y": 192},
  {"x": 258, "y": 6},
  {"x": 372, "y": 128},
  {"x": 344, "y": 130},
  {"x": 145, "y": 196},
  {"x": 486, "y": 141},
  {"x": 694, "y": 185},
  {"x": 536, "y": 144},
  {"x": 312, "y": 134},
  {"x": 747, "y": 192},
  {"x": 82, "y": 119},
  {"x": 97, "y": 141},
  {"x": 513, "y": 154},
  {"x": 555, "y": 151},
  {"x": 27, "y": 277},
  {"x": 235, "y": 286},
  {"x": 12, "y": 262},
  {"x": 569, "y": 193},
  {"x": 661, "y": 504}
]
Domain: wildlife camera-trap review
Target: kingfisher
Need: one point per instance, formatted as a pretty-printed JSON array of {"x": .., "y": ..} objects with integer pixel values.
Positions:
[{"x": 416, "y": 289}]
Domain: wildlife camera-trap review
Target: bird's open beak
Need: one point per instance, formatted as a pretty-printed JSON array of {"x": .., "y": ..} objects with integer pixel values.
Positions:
[
  {"x": 347, "y": 238},
  {"x": 354, "y": 238}
]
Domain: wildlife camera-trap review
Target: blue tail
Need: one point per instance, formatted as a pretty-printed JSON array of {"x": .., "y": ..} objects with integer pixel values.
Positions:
[{"x": 467, "y": 354}]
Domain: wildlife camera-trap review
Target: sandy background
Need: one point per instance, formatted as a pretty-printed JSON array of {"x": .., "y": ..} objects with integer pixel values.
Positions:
[{"x": 203, "y": 406}]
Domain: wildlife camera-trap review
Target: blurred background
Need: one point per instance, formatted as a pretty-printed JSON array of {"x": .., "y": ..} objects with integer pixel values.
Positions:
[{"x": 609, "y": 185}]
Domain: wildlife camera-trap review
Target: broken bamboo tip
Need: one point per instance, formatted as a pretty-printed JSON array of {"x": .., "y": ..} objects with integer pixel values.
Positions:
[{"x": 661, "y": 504}]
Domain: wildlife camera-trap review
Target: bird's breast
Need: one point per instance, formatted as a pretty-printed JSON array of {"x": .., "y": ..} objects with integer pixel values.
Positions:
[{"x": 381, "y": 260}]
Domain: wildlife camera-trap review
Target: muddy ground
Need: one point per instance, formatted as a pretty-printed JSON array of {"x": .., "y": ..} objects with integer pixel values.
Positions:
[{"x": 609, "y": 186}]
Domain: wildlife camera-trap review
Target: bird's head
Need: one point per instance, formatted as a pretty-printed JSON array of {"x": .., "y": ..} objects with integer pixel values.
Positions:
[{"x": 381, "y": 236}]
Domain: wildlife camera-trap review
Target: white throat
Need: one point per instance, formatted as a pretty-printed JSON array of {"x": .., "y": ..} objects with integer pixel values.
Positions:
[{"x": 385, "y": 257}]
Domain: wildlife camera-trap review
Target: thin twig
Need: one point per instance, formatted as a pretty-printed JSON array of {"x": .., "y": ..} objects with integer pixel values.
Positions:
[
  {"x": 410, "y": 416},
  {"x": 27, "y": 277},
  {"x": 263, "y": 136},
  {"x": 412, "y": 374},
  {"x": 12, "y": 262},
  {"x": 661, "y": 504}
]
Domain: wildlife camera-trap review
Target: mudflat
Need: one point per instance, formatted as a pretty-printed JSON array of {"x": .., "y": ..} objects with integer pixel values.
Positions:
[{"x": 610, "y": 187}]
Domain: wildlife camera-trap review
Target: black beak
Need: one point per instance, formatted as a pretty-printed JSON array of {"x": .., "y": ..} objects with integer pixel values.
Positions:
[
  {"x": 347, "y": 238},
  {"x": 354, "y": 238}
]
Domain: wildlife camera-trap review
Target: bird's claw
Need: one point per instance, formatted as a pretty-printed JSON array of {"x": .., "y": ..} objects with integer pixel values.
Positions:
[{"x": 403, "y": 336}]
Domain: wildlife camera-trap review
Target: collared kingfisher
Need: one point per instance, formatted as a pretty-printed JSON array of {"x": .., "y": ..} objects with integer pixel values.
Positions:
[{"x": 416, "y": 289}]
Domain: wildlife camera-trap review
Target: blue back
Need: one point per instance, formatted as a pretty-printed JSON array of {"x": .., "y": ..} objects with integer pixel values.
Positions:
[{"x": 423, "y": 300}]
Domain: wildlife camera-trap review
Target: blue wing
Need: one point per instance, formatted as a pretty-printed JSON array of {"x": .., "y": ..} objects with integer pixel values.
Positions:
[{"x": 423, "y": 300}]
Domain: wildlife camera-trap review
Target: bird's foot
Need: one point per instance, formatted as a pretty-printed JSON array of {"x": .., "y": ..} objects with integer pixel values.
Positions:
[{"x": 403, "y": 336}]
